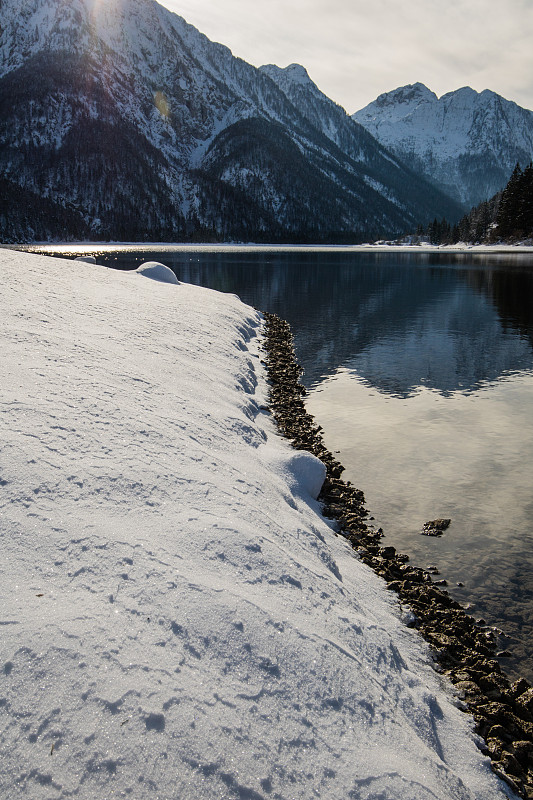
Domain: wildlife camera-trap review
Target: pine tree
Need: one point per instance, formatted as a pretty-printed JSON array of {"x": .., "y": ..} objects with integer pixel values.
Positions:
[
  {"x": 524, "y": 217},
  {"x": 508, "y": 211}
]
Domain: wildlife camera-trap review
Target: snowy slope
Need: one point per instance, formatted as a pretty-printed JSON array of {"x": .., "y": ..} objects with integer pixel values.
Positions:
[
  {"x": 465, "y": 141},
  {"x": 177, "y": 620},
  {"x": 327, "y": 116}
]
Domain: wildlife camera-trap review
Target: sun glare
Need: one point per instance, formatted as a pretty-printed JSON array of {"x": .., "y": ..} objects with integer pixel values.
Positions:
[
  {"x": 161, "y": 103},
  {"x": 96, "y": 6}
]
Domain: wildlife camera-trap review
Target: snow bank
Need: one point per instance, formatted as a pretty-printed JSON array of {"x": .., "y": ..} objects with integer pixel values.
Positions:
[{"x": 177, "y": 621}]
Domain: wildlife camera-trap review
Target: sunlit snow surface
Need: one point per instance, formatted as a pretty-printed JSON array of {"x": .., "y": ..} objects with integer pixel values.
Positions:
[{"x": 176, "y": 619}]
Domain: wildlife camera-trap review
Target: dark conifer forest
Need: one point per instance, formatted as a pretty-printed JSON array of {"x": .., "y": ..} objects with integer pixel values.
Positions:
[{"x": 506, "y": 217}]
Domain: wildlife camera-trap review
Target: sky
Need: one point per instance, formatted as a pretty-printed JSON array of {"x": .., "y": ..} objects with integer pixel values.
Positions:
[{"x": 355, "y": 49}]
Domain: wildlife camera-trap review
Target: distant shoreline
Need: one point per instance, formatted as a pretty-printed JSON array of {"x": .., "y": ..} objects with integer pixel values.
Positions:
[{"x": 482, "y": 249}]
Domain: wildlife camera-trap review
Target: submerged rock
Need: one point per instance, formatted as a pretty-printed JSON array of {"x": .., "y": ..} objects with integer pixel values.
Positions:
[{"x": 435, "y": 527}]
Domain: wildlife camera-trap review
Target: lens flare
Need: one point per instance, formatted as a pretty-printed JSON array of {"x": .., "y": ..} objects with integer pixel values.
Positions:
[{"x": 161, "y": 103}]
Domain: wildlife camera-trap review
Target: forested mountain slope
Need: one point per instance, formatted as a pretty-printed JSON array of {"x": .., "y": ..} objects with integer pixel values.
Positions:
[{"x": 119, "y": 120}]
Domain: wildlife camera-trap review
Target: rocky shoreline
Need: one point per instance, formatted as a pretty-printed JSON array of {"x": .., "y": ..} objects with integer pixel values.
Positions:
[{"x": 463, "y": 649}]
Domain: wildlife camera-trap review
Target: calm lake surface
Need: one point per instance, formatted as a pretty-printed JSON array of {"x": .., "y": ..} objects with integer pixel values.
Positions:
[{"x": 420, "y": 371}]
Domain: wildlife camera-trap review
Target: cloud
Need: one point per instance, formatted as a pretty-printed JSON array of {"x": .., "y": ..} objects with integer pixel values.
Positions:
[{"x": 354, "y": 50}]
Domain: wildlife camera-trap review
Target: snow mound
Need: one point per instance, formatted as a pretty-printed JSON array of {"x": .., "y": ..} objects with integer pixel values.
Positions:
[
  {"x": 157, "y": 272},
  {"x": 303, "y": 471},
  {"x": 86, "y": 259}
]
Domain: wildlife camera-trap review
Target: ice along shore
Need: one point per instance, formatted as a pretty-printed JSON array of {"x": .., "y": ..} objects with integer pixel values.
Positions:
[{"x": 178, "y": 619}]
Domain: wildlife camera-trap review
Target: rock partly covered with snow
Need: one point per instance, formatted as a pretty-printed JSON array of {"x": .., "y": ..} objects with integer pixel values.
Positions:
[
  {"x": 468, "y": 142},
  {"x": 294, "y": 74},
  {"x": 157, "y": 272},
  {"x": 178, "y": 621}
]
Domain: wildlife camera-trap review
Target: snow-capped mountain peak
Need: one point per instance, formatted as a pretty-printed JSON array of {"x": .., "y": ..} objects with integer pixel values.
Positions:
[
  {"x": 411, "y": 94},
  {"x": 465, "y": 141},
  {"x": 293, "y": 74}
]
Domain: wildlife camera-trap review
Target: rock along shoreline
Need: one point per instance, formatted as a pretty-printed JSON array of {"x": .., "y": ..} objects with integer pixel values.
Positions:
[{"x": 464, "y": 650}]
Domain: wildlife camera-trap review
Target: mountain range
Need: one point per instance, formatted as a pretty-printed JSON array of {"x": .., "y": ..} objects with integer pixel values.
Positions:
[
  {"x": 118, "y": 120},
  {"x": 466, "y": 142}
]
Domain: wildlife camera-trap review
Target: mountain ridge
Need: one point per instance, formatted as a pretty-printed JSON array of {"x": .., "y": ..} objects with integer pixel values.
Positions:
[
  {"x": 134, "y": 120},
  {"x": 465, "y": 141}
]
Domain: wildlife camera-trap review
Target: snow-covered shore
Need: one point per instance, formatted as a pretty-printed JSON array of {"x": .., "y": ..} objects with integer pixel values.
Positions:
[
  {"x": 385, "y": 247},
  {"x": 177, "y": 620}
]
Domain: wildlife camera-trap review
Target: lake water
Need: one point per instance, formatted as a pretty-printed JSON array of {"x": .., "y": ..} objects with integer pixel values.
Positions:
[{"x": 420, "y": 371}]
